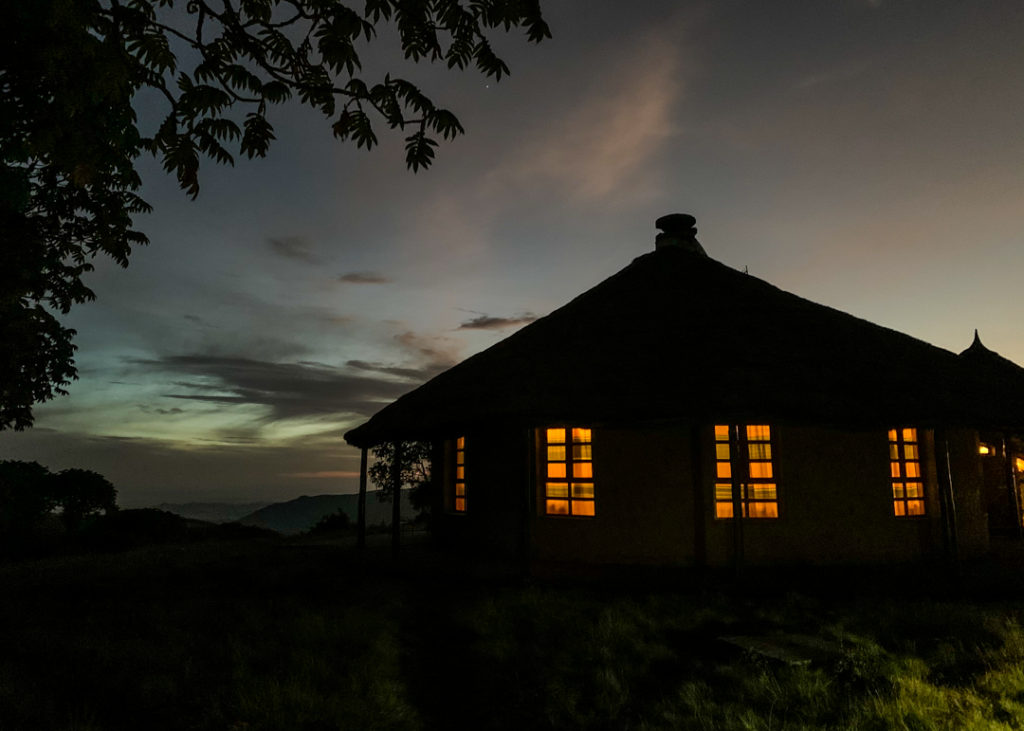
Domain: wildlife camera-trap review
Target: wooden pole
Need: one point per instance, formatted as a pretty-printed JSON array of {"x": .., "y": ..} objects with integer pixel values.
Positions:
[
  {"x": 361, "y": 504},
  {"x": 396, "y": 499},
  {"x": 1011, "y": 486},
  {"x": 739, "y": 474},
  {"x": 947, "y": 501},
  {"x": 526, "y": 503},
  {"x": 700, "y": 541}
]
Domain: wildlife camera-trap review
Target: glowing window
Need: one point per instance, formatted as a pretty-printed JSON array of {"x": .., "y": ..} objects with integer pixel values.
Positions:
[
  {"x": 743, "y": 454},
  {"x": 985, "y": 449},
  {"x": 460, "y": 475},
  {"x": 905, "y": 472},
  {"x": 567, "y": 458}
]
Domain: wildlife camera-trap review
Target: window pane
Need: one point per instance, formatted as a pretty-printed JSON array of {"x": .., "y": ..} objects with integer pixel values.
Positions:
[
  {"x": 557, "y": 489},
  {"x": 721, "y": 433},
  {"x": 723, "y": 491},
  {"x": 758, "y": 432},
  {"x": 581, "y": 451},
  {"x": 722, "y": 451},
  {"x": 558, "y": 507},
  {"x": 910, "y": 435},
  {"x": 915, "y": 507},
  {"x": 914, "y": 489},
  {"x": 760, "y": 450},
  {"x": 460, "y": 443},
  {"x": 913, "y": 469},
  {"x": 724, "y": 470},
  {"x": 892, "y": 435},
  {"x": 556, "y": 453},
  {"x": 894, "y": 451},
  {"x": 898, "y": 508},
  {"x": 583, "y": 489},
  {"x": 581, "y": 435},
  {"x": 556, "y": 436},
  {"x": 763, "y": 510},
  {"x": 723, "y": 510},
  {"x": 761, "y": 492},
  {"x": 583, "y": 469},
  {"x": 460, "y": 473},
  {"x": 582, "y": 507},
  {"x": 460, "y": 504},
  {"x": 460, "y": 489},
  {"x": 460, "y": 457},
  {"x": 556, "y": 469},
  {"x": 761, "y": 470},
  {"x": 897, "y": 489},
  {"x": 894, "y": 469},
  {"x": 910, "y": 451}
]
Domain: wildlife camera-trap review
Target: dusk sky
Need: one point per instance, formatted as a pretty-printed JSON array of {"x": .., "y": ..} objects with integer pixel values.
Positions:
[{"x": 867, "y": 155}]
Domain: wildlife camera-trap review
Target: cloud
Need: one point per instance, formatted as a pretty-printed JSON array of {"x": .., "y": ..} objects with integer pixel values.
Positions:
[
  {"x": 488, "y": 322},
  {"x": 293, "y": 247},
  {"x": 412, "y": 374},
  {"x": 322, "y": 474},
  {"x": 288, "y": 390},
  {"x": 612, "y": 135},
  {"x": 148, "y": 471},
  {"x": 438, "y": 351},
  {"x": 364, "y": 278}
]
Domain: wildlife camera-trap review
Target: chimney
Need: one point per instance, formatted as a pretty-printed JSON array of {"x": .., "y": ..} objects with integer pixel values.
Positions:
[{"x": 678, "y": 231}]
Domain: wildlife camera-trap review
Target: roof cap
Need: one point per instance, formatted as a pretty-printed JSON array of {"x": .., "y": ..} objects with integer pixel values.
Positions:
[{"x": 679, "y": 231}]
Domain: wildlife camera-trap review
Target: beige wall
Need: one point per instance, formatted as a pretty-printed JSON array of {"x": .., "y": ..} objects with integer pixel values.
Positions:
[
  {"x": 835, "y": 504},
  {"x": 835, "y": 500},
  {"x": 644, "y": 504}
]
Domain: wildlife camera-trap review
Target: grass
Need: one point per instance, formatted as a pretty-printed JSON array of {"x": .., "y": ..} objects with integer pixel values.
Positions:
[{"x": 287, "y": 635}]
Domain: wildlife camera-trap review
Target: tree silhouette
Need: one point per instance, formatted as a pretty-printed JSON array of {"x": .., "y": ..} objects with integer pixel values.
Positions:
[
  {"x": 79, "y": 493},
  {"x": 69, "y": 138},
  {"x": 24, "y": 498},
  {"x": 414, "y": 471}
]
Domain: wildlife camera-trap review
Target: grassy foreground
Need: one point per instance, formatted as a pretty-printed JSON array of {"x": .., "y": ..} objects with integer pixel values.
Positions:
[{"x": 302, "y": 636}]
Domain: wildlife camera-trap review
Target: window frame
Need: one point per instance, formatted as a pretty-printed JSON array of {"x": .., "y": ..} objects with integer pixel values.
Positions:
[
  {"x": 898, "y": 462},
  {"x": 574, "y": 488},
  {"x": 458, "y": 481},
  {"x": 733, "y": 465}
]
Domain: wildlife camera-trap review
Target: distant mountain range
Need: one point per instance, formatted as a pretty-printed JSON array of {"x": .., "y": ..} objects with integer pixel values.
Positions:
[
  {"x": 292, "y": 516},
  {"x": 212, "y": 512}
]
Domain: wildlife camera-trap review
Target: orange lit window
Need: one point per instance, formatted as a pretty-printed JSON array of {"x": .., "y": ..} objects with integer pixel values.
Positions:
[
  {"x": 568, "y": 465},
  {"x": 460, "y": 475},
  {"x": 905, "y": 469},
  {"x": 743, "y": 454},
  {"x": 985, "y": 449}
]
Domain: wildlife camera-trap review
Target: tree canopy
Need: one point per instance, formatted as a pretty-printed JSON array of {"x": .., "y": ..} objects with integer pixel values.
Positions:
[
  {"x": 413, "y": 470},
  {"x": 29, "y": 492},
  {"x": 69, "y": 135}
]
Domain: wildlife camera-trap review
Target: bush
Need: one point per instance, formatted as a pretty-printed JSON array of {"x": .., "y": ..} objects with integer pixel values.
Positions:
[
  {"x": 336, "y": 522},
  {"x": 132, "y": 528}
]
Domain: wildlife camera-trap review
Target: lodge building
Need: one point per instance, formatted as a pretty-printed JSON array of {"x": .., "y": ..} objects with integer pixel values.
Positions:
[{"x": 684, "y": 413}]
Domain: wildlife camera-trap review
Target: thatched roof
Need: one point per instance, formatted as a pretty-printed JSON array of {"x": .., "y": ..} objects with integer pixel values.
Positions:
[{"x": 679, "y": 336}]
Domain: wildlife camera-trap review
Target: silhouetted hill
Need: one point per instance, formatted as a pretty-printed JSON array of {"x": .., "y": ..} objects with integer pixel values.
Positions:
[
  {"x": 301, "y": 514},
  {"x": 212, "y": 512}
]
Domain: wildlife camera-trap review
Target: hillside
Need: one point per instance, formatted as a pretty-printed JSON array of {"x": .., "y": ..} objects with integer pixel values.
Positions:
[
  {"x": 211, "y": 512},
  {"x": 301, "y": 514}
]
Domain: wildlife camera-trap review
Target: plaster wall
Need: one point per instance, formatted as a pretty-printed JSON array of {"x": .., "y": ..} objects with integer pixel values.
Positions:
[
  {"x": 835, "y": 504},
  {"x": 644, "y": 504}
]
